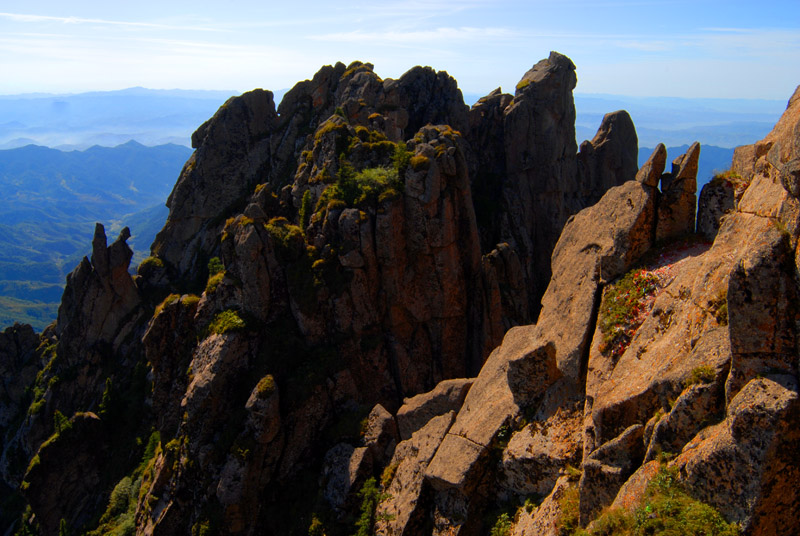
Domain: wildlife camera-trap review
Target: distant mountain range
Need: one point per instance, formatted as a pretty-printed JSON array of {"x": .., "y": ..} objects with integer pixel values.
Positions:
[
  {"x": 50, "y": 199},
  {"x": 49, "y": 203},
  {"x": 154, "y": 117},
  {"x": 148, "y": 116},
  {"x": 673, "y": 121}
]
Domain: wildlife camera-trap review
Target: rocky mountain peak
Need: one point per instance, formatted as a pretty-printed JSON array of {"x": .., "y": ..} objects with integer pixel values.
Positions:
[{"x": 376, "y": 303}]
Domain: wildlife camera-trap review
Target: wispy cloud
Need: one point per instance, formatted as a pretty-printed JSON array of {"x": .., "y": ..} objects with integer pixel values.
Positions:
[
  {"x": 416, "y": 37},
  {"x": 27, "y": 18}
]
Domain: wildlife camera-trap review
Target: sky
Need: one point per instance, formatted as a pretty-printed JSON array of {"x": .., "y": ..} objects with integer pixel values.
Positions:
[{"x": 676, "y": 48}]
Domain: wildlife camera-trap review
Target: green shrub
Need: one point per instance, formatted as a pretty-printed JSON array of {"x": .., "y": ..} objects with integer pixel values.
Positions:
[
  {"x": 169, "y": 300},
  {"x": 285, "y": 236},
  {"x": 728, "y": 176},
  {"x": 266, "y": 386},
  {"x": 419, "y": 162},
  {"x": 401, "y": 158},
  {"x": 190, "y": 300},
  {"x": 388, "y": 474},
  {"x": 215, "y": 266},
  {"x": 522, "y": 84},
  {"x": 120, "y": 495},
  {"x": 214, "y": 281},
  {"x": 701, "y": 374},
  {"x": 569, "y": 511},
  {"x": 316, "y": 528},
  {"x": 60, "y": 422},
  {"x": 502, "y": 526},
  {"x": 36, "y": 406},
  {"x": 151, "y": 262},
  {"x": 226, "y": 321},
  {"x": 666, "y": 510},
  {"x": 367, "y": 187}
]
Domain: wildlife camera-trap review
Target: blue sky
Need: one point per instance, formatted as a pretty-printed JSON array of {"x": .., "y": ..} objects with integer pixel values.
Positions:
[{"x": 731, "y": 49}]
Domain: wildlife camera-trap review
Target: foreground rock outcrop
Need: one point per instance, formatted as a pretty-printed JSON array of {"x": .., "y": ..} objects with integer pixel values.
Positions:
[{"x": 376, "y": 310}]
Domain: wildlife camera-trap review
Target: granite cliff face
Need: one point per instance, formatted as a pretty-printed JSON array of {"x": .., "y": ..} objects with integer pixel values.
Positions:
[{"x": 374, "y": 280}]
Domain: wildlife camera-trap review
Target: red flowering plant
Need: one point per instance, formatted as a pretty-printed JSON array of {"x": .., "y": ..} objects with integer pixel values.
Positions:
[
  {"x": 627, "y": 302},
  {"x": 624, "y": 308}
]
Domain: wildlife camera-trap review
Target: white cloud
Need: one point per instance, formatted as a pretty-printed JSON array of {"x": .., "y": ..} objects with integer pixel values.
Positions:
[
  {"x": 26, "y": 18},
  {"x": 416, "y": 37}
]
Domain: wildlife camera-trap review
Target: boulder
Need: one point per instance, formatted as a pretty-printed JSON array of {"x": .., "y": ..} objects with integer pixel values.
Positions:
[
  {"x": 415, "y": 412},
  {"x": 381, "y": 434},
  {"x": 606, "y": 469},
  {"x": 545, "y": 520},
  {"x": 345, "y": 468},
  {"x": 760, "y": 299},
  {"x": 406, "y": 510},
  {"x": 746, "y": 466},
  {"x": 717, "y": 198},
  {"x": 676, "y": 207},
  {"x": 538, "y": 454},
  {"x": 588, "y": 256}
]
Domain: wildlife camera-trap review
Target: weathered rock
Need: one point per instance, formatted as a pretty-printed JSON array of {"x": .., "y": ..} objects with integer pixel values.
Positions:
[
  {"x": 59, "y": 482},
  {"x": 94, "y": 318},
  {"x": 651, "y": 171},
  {"x": 407, "y": 509},
  {"x": 168, "y": 344},
  {"x": 700, "y": 404},
  {"x": 761, "y": 302},
  {"x": 778, "y": 154},
  {"x": 588, "y": 256},
  {"x": 539, "y": 147},
  {"x": 216, "y": 364},
  {"x": 633, "y": 491},
  {"x": 344, "y": 471},
  {"x": 488, "y": 166},
  {"x": 666, "y": 348},
  {"x": 381, "y": 434},
  {"x": 537, "y": 455},
  {"x": 746, "y": 466},
  {"x": 610, "y": 158},
  {"x": 545, "y": 520},
  {"x": 717, "y": 198},
  {"x": 606, "y": 470},
  {"x": 233, "y": 152},
  {"x": 584, "y": 256},
  {"x": 458, "y": 462},
  {"x": 18, "y": 368},
  {"x": 676, "y": 207},
  {"x": 505, "y": 289},
  {"x": 367, "y": 296},
  {"x": 447, "y": 396}
]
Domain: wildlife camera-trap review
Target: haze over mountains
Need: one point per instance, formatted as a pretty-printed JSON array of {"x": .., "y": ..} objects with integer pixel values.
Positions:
[
  {"x": 154, "y": 117},
  {"x": 110, "y": 118},
  {"x": 52, "y": 198},
  {"x": 49, "y": 203}
]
